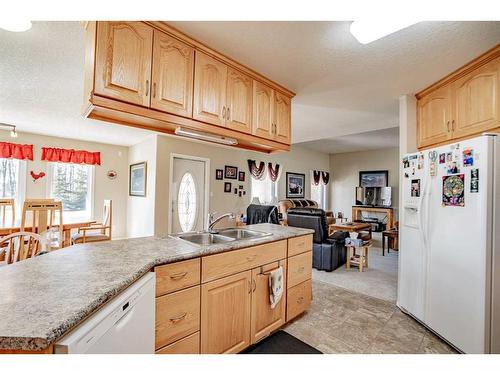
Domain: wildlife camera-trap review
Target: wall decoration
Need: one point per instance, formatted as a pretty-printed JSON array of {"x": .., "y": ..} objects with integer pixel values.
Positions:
[
  {"x": 452, "y": 168},
  {"x": 227, "y": 187},
  {"x": 442, "y": 158},
  {"x": 230, "y": 172},
  {"x": 406, "y": 162},
  {"x": 449, "y": 157},
  {"x": 138, "y": 179},
  {"x": 295, "y": 183},
  {"x": 274, "y": 173},
  {"x": 468, "y": 157},
  {"x": 373, "y": 178},
  {"x": 241, "y": 176},
  {"x": 240, "y": 187},
  {"x": 219, "y": 174},
  {"x": 453, "y": 190},
  {"x": 235, "y": 190},
  {"x": 37, "y": 176},
  {"x": 239, "y": 193},
  {"x": 325, "y": 177},
  {"x": 415, "y": 188},
  {"x": 256, "y": 172},
  {"x": 111, "y": 174},
  {"x": 474, "y": 180}
]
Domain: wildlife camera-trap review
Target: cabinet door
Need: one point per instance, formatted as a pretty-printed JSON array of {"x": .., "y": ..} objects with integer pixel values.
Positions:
[
  {"x": 239, "y": 101},
  {"x": 265, "y": 319},
  {"x": 210, "y": 78},
  {"x": 263, "y": 103},
  {"x": 282, "y": 117},
  {"x": 173, "y": 72},
  {"x": 434, "y": 117},
  {"x": 225, "y": 314},
  {"x": 477, "y": 101},
  {"x": 123, "y": 61}
]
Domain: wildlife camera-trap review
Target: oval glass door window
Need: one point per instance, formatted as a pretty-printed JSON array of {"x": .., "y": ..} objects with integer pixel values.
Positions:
[{"x": 186, "y": 202}]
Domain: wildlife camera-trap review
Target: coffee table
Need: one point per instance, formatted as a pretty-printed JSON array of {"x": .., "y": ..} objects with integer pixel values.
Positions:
[{"x": 350, "y": 227}]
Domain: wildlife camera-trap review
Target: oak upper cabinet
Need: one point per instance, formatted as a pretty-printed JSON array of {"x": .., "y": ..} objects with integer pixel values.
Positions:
[
  {"x": 225, "y": 314},
  {"x": 264, "y": 318},
  {"x": 210, "y": 77},
  {"x": 434, "y": 117},
  {"x": 173, "y": 73},
  {"x": 282, "y": 117},
  {"x": 123, "y": 61},
  {"x": 263, "y": 103},
  {"x": 239, "y": 101},
  {"x": 477, "y": 100}
]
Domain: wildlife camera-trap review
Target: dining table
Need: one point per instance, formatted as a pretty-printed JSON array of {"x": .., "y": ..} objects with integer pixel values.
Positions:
[{"x": 67, "y": 227}]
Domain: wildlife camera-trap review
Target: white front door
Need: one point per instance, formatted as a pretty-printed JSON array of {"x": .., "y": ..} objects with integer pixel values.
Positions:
[{"x": 189, "y": 193}]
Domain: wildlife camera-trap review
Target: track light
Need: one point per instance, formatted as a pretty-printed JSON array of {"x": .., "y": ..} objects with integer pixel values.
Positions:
[{"x": 13, "y": 132}]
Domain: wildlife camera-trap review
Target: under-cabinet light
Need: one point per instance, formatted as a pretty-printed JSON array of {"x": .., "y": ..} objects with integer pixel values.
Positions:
[{"x": 205, "y": 136}]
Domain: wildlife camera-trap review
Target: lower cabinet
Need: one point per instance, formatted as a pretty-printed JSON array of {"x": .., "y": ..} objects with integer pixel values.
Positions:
[
  {"x": 225, "y": 314},
  {"x": 299, "y": 299},
  {"x": 187, "y": 345}
]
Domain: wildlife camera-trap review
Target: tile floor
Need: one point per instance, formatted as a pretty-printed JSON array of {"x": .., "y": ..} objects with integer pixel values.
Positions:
[{"x": 345, "y": 321}]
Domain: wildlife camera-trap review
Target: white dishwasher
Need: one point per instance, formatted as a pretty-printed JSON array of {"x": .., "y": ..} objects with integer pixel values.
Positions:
[{"x": 126, "y": 325}]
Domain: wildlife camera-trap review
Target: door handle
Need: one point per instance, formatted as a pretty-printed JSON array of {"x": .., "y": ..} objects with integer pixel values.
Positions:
[{"x": 147, "y": 87}]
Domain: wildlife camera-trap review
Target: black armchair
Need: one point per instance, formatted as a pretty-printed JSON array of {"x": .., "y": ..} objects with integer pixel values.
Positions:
[{"x": 329, "y": 253}]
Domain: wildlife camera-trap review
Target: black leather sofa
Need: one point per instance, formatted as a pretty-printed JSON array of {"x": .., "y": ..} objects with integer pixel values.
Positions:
[{"x": 329, "y": 253}]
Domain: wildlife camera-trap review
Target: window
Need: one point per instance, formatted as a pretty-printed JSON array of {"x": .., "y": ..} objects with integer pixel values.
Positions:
[
  {"x": 318, "y": 193},
  {"x": 72, "y": 185},
  {"x": 186, "y": 202},
  {"x": 265, "y": 190},
  {"x": 11, "y": 183}
]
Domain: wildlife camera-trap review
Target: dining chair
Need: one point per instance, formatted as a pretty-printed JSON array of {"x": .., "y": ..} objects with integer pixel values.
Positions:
[
  {"x": 5, "y": 204},
  {"x": 41, "y": 216},
  {"x": 20, "y": 246},
  {"x": 97, "y": 232}
]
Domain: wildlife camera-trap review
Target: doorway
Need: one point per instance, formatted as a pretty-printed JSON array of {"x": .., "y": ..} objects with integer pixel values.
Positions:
[{"x": 189, "y": 192}]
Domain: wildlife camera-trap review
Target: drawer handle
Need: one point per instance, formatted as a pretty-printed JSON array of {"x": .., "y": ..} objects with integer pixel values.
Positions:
[
  {"x": 178, "y": 276},
  {"x": 300, "y": 300},
  {"x": 301, "y": 269},
  {"x": 251, "y": 258},
  {"x": 178, "y": 318},
  {"x": 301, "y": 244}
]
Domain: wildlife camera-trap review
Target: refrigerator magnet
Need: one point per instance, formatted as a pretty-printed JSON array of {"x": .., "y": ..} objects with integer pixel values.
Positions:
[
  {"x": 449, "y": 157},
  {"x": 468, "y": 157},
  {"x": 474, "y": 180},
  {"x": 453, "y": 190},
  {"x": 415, "y": 188},
  {"x": 453, "y": 168},
  {"x": 442, "y": 158}
]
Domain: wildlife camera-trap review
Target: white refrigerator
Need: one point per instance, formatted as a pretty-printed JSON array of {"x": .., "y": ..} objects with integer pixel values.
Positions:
[{"x": 449, "y": 261}]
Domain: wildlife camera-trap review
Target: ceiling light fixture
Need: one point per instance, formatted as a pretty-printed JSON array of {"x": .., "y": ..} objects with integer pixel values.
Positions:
[
  {"x": 189, "y": 133},
  {"x": 367, "y": 31},
  {"x": 16, "y": 26},
  {"x": 13, "y": 132}
]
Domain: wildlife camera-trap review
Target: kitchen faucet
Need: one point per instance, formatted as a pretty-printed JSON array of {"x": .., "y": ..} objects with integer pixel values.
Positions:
[{"x": 212, "y": 221}]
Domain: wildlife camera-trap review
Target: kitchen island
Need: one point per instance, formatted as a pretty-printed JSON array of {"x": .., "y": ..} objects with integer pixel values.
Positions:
[{"x": 44, "y": 298}]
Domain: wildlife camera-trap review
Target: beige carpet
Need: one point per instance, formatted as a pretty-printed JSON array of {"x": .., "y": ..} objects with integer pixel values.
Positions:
[{"x": 379, "y": 280}]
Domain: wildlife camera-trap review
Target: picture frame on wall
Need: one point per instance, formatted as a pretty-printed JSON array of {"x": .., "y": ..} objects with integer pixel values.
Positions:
[
  {"x": 230, "y": 172},
  {"x": 219, "y": 174},
  {"x": 241, "y": 176},
  {"x": 227, "y": 187},
  {"x": 374, "y": 178},
  {"x": 295, "y": 185},
  {"x": 138, "y": 179}
]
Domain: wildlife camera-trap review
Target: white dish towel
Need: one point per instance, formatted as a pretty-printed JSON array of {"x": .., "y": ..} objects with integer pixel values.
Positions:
[{"x": 275, "y": 286}]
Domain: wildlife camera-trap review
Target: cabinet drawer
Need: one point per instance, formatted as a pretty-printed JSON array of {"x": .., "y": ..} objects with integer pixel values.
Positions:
[
  {"x": 300, "y": 244},
  {"x": 220, "y": 265},
  {"x": 299, "y": 268},
  {"x": 177, "y": 315},
  {"x": 177, "y": 276},
  {"x": 298, "y": 299},
  {"x": 187, "y": 345}
]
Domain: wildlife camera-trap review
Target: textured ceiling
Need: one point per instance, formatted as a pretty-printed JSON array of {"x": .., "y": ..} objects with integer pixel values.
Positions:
[{"x": 342, "y": 87}]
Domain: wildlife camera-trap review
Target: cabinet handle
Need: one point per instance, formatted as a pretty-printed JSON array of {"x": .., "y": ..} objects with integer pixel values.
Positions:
[
  {"x": 224, "y": 112},
  {"x": 249, "y": 287},
  {"x": 254, "y": 285},
  {"x": 178, "y": 276},
  {"x": 228, "y": 113},
  {"x": 448, "y": 126},
  {"x": 452, "y": 125},
  {"x": 154, "y": 89},
  {"x": 301, "y": 269},
  {"x": 251, "y": 258},
  {"x": 300, "y": 300},
  {"x": 178, "y": 318},
  {"x": 147, "y": 87}
]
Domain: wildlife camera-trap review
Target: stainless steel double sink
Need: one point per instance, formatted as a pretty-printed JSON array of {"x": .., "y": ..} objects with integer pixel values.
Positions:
[{"x": 222, "y": 236}]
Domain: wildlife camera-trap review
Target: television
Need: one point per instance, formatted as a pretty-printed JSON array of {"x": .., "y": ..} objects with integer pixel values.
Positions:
[{"x": 374, "y": 196}]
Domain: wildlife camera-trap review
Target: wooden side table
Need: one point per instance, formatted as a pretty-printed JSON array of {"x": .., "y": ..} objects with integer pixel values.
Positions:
[
  {"x": 361, "y": 260},
  {"x": 392, "y": 238}
]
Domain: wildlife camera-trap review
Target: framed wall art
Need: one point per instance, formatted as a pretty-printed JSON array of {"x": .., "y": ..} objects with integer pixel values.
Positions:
[
  {"x": 230, "y": 172},
  {"x": 138, "y": 179},
  {"x": 295, "y": 183}
]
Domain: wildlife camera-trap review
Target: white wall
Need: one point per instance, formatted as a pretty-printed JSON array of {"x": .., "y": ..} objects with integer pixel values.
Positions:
[
  {"x": 112, "y": 157},
  {"x": 299, "y": 160},
  {"x": 141, "y": 210},
  {"x": 345, "y": 168}
]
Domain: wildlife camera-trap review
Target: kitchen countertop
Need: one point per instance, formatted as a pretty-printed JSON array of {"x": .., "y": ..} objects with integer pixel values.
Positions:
[{"x": 41, "y": 299}]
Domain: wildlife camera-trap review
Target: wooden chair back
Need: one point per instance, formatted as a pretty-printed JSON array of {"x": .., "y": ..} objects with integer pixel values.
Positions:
[
  {"x": 7, "y": 219},
  {"x": 21, "y": 245},
  {"x": 41, "y": 215},
  {"x": 107, "y": 216}
]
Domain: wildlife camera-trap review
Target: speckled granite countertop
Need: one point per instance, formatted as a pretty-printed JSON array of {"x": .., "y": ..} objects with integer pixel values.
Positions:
[{"x": 41, "y": 299}]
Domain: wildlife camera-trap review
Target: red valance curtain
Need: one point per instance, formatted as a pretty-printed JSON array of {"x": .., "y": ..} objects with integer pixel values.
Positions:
[
  {"x": 16, "y": 151},
  {"x": 62, "y": 155}
]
